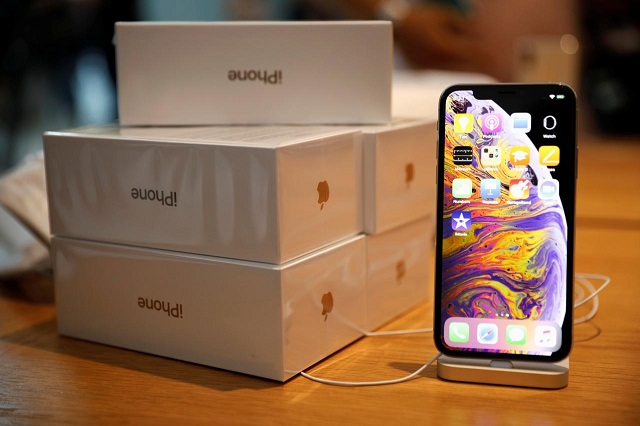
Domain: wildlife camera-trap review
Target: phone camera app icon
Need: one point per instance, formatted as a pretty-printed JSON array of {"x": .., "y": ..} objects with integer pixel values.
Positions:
[
  {"x": 516, "y": 335},
  {"x": 463, "y": 123},
  {"x": 521, "y": 122},
  {"x": 490, "y": 156},
  {"x": 519, "y": 188},
  {"x": 490, "y": 188},
  {"x": 519, "y": 155},
  {"x": 461, "y": 188},
  {"x": 491, "y": 122},
  {"x": 546, "y": 336},
  {"x": 548, "y": 189},
  {"x": 462, "y": 155},
  {"x": 549, "y": 155},
  {"x": 461, "y": 221},
  {"x": 487, "y": 333},
  {"x": 458, "y": 332}
]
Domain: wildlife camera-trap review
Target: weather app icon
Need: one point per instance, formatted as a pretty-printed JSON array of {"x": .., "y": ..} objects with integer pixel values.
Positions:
[{"x": 461, "y": 221}]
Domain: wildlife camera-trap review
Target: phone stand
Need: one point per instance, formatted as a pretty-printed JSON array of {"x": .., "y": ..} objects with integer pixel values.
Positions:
[{"x": 509, "y": 373}]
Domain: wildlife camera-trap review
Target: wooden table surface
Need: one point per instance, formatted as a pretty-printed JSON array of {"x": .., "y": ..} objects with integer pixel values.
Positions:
[{"x": 45, "y": 378}]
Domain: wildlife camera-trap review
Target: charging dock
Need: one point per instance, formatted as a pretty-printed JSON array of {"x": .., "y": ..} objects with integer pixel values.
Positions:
[{"x": 509, "y": 373}]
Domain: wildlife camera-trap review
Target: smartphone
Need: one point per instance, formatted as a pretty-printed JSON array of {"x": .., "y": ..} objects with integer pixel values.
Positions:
[{"x": 507, "y": 170}]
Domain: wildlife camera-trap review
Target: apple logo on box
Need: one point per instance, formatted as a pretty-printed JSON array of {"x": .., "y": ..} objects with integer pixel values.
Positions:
[
  {"x": 323, "y": 193},
  {"x": 327, "y": 304},
  {"x": 409, "y": 173}
]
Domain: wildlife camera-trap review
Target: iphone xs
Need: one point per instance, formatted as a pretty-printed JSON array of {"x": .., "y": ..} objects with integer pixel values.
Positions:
[{"x": 507, "y": 169}]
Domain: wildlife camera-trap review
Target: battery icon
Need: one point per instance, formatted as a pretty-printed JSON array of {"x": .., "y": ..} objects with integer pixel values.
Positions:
[{"x": 560, "y": 96}]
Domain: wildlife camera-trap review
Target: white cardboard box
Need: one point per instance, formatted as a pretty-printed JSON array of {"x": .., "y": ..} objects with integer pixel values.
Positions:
[
  {"x": 267, "y": 194},
  {"x": 266, "y": 320},
  {"x": 399, "y": 173},
  {"x": 399, "y": 270},
  {"x": 197, "y": 73}
]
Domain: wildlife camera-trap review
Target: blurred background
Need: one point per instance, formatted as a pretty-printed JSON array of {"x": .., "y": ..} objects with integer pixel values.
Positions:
[{"x": 57, "y": 63}]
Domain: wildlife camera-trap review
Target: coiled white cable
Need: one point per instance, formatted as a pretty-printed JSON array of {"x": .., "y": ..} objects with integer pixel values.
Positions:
[{"x": 585, "y": 280}]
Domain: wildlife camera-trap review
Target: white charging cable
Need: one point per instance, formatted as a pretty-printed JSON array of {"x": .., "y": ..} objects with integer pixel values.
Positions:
[
  {"x": 583, "y": 280},
  {"x": 377, "y": 383}
]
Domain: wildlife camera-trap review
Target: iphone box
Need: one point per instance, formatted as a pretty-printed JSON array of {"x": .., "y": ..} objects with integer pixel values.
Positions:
[
  {"x": 266, "y": 320},
  {"x": 254, "y": 72},
  {"x": 399, "y": 270},
  {"x": 399, "y": 173},
  {"x": 261, "y": 193}
]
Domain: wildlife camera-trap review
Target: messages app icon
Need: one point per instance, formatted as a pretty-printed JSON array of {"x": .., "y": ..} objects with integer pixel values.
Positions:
[
  {"x": 516, "y": 335},
  {"x": 459, "y": 332}
]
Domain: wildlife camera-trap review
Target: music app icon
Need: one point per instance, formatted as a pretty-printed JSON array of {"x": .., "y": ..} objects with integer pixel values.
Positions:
[{"x": 546, "y": 336}]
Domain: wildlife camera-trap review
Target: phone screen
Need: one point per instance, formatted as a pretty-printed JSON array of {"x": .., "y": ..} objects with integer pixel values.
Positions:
[{"x": 506, "y": 202}]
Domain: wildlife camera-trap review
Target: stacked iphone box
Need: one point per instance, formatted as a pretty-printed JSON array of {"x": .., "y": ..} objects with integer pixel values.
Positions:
[
  {"x": 242, "y": 247},
  {"x": 399, "y": 194}
]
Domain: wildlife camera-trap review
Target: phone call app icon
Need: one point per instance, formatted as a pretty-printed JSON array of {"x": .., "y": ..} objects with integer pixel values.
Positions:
[
  {"x": 487, "y": 333},
  {"x": 461, "y": 188},
  {"x": 490, "y": 156},
  {"x": 519, "y": 188},
  {"x": 519, "y": 155},
  {"x": 546, "y": 336},
  {"x": 459, "y": 332},
  {"x": 461, "y": 221},
  {"x": 491, "y": 122},
  {"x": 549, "y": 155},
  {"x": 463, "y": 123}
]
